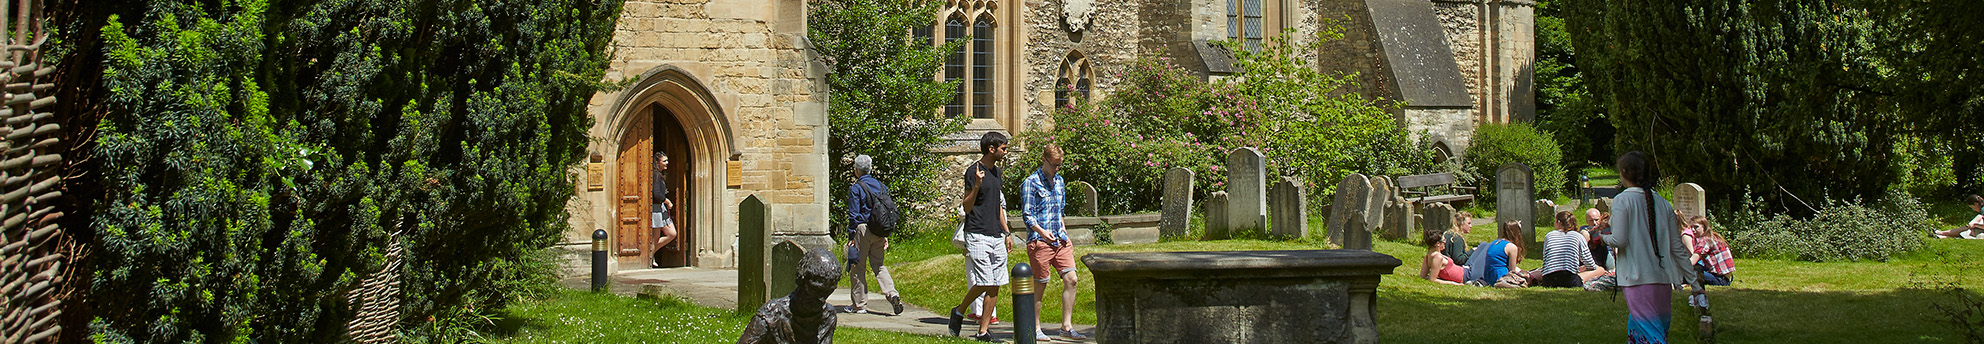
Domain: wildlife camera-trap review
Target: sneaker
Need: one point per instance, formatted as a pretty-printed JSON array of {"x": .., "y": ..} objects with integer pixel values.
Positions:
[
  {"x": 957, "y": 322},
  {"x": 1039, "y": 336},
  {"x": 1072, "y": 335},
  {"x": 897, "y": 302},
  {"x": 985, "y": 337}
]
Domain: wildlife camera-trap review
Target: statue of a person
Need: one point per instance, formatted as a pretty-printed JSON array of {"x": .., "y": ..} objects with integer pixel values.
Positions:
[{"x": 803, "y": 317}]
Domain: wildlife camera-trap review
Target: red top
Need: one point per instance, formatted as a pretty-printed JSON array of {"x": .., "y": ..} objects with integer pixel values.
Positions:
[{"x": 1453, "y": 272}]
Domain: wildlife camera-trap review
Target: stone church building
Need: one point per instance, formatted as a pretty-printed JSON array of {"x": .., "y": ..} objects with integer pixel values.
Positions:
[{"x": 731, "y": 92}]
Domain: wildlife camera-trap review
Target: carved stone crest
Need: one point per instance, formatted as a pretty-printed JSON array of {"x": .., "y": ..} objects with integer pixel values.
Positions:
[{"x": 1076, "y": 13}]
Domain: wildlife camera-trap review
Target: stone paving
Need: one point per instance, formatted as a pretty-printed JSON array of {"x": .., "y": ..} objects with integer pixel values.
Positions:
[{"x": 717, "y": 288}]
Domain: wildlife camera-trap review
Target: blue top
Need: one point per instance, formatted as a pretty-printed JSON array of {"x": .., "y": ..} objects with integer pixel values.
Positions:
[
  {"x": 1045, "y": 205},
  {"x": 857, "y": 199},
  {"x": 1489, "y": 263}
]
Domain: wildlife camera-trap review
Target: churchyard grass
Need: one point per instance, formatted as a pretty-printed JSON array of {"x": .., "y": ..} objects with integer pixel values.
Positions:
[
  {"x": 584, "y": 317},
  {"x": 1773, "y": 301}
]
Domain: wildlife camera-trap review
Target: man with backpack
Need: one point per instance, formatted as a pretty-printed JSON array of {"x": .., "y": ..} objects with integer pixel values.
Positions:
[{"x": 875, "y": 217}]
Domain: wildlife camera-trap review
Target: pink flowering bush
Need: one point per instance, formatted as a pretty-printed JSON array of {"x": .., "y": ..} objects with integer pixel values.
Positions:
[{"x": 1308, "y": 123}]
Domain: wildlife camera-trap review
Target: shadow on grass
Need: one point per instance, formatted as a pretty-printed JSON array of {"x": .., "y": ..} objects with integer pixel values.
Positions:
[{"x": 1741, "y": 316}]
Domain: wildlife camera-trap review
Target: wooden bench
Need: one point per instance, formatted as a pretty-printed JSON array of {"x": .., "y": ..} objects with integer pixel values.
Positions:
[{"x": 1419, "y": 189}]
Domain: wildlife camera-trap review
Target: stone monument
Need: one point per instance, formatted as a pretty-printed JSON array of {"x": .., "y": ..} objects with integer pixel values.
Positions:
[
  {"x": 1691, "y": 200},
  {"x": 1357, "y": 234},
  {"x": 1514, "y": 194},
  {"x": 1178, "y": 185},
  {"x": 784, "y": 262},
  {"x": 1374, "y": 208},
  {"x": 1398, "y": 219},
  {"x": 1315, "y": 296},
  {"x": 1085, "y": 194},
  {"x": 1216, "y": 217},
  {"x": 1604, "y": 205},
  {"x": 1290, "y": 208},
  {"x": 1439, "y": 218},
  {"x": 1246, "y": 191},
  {"x": 754, "y": 220},
  {"x": 804, "y": 316},
  {"x": 1350, "y": 197}
]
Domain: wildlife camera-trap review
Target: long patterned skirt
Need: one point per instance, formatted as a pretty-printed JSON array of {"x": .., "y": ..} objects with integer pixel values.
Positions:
[{"x": 1649, "y": 311}]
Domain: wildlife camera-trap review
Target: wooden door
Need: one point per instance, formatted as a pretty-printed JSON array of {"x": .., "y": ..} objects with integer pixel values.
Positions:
[
  {"x": 636, "y": 162},
  {"x": 669, "y": 137}
]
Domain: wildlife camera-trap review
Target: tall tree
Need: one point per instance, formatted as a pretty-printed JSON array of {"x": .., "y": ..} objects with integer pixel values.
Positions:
[
  {"x": 256, "y": 158},
  {"x": 884, "y": 95}
]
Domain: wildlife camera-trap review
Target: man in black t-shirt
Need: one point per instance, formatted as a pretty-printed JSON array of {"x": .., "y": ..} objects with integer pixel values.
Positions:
[{"x": 985, "y": 233}]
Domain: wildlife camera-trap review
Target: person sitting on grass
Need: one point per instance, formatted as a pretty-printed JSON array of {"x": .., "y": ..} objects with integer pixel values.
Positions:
[
  {"x": 1600, "y": 254},
  {"x": 1710, "y": 253},
  {"x": 1456, "y": 244},
  {"x": 1495, "y": 259},
  {"x": 1437, "y": 267},
  {"x": 1972, "y": 230},
  {"x": 1567, "y": 261}
]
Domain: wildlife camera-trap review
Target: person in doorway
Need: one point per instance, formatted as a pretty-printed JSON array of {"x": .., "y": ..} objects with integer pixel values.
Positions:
[
  {"x": 867, "y": 247},
  {"x": 1438, "y": 267},
  {"x": 1652, "y": 259},
  {"x": 660, "y": 220},
  {"x": 1566, "y": 260},
  {"x": 1044, "y": 198},
  {"x": 1972, "y": 230},
  {"x": 985, "y": 233}
]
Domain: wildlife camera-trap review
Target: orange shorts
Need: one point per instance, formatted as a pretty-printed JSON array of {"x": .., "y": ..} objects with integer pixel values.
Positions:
[{"x": 1049, "y": 260}]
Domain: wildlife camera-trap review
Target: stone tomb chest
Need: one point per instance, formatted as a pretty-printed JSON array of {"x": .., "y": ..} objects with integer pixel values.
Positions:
[{"x": 1310, "y": 296}]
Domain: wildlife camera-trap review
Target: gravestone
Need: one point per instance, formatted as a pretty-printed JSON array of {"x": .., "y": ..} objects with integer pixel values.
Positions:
[
  {"x": 1689, "y": 199},
  {"x": 1290, "y": 209},
  {"x": 1312, "y": 296},
  {"x": 1178, "y": 185},
  {"x": 1216, "y": 217},
  {"x": 1514, "y": 193},
  {"x": 754, "y": 219},
  {"x": 1546, "y": 221},
  {"x": 1356, "y": 234},
  {"x": 1084, "y": 194},
  {"x": 1350, "y": 197},
  {"x": 1439, "y": 218},
  {"x": 784, "y": 270},
  {"x": 1246, "y": 191},
  {"x": 1604, "y": 205},
  {"x": 1398, "y": 219},
  {"x": 1374, "y": 209}
]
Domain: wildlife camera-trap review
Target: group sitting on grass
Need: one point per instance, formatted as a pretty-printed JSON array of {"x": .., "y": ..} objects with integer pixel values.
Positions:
[
  {"x": 1573, "y": 256},
  {"x": 1972, "y": 230}
]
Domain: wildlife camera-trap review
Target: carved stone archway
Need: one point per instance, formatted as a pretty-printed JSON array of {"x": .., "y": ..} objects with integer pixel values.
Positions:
[{"x": 671, "y": 93}]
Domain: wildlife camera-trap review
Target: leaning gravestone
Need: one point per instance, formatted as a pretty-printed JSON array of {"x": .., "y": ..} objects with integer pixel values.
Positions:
[
  {"x": 1085, "y": 194},
  {"x": 1246, "y": 191},
  {"x": 1688, "y": 198},
  {"x": 1546, "y": 214},
  {"x": 1177, "y": 202},
  {"x": 1216, "y": 217},
  {"x": 1374, "y": 208},
  {"x": 754, "y": 220},
  {"x": 1350, "y": 197},
  {"x": 1439, "y": 218},
  {"x": 784, "y": 270},
  {"x": 1289, "y": 208},
  {"x": 1514, "y": 192},
  {"x": 1398, "y": 219}
]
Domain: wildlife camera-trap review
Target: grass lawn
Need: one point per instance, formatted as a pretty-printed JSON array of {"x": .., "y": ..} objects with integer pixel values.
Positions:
[
  {"x": 585, "y": 317},
  {"x": 1774, "y": 301}
]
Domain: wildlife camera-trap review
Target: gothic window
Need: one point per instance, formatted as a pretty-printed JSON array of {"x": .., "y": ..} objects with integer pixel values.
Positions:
[
  {"x": 1245, "y": 23},
  {"x": 981, "y": 67},
  {"x": 974, "y": 66},
  {"x": 1072, "y": 84}
]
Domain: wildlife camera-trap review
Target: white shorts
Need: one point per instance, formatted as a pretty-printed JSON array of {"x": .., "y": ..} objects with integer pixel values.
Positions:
[
  {"x": 985, "y": 257},
  {"x": 659, "y": 219}
]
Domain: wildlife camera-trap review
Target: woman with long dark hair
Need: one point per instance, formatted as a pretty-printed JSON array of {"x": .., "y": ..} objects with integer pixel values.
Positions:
[{"x": 1652, "y": 260}]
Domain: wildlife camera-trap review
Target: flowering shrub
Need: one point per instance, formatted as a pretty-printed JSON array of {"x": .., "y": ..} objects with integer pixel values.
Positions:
[{"x": 1160, "y": 117}]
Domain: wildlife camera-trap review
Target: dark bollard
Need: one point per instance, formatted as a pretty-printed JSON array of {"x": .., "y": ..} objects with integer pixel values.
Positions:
[
  {"x": 598, "y": 260},
  {"x": 1025, "y": 316}
]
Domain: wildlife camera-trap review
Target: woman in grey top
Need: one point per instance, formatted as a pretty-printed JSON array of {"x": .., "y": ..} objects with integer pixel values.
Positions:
[{"x": 1652, "y": 261}]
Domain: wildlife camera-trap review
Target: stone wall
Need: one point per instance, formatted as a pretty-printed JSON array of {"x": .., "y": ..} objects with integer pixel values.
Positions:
[
  {"x": 751, "y": 59},
  {"x": 1455, "y": 126},
  {"x": 1462, "y": 21},
  {"x": 1110, "y": 41}
]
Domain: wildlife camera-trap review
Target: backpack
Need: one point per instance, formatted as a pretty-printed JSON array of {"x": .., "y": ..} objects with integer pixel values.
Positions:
[{"x": 883, "y": 216}]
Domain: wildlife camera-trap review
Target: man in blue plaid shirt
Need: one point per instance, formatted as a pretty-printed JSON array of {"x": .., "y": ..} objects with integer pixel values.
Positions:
[{"x": 1047, "y": 245}]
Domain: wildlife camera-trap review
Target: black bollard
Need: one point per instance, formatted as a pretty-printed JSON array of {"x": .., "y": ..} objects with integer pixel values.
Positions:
[
  {"x": 1025, "y": 315},
  {"x": 598, "y": 260}
]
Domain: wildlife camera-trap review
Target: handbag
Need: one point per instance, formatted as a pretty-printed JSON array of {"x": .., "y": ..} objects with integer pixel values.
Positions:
[{"x": 957, "y": 238}]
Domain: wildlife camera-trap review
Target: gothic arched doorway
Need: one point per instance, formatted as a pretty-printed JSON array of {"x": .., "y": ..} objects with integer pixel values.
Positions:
[{"x": 670, "y": 112}]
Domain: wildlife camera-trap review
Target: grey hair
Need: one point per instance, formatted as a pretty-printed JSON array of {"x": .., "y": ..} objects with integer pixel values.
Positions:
[{"x": 865, "y": 164}]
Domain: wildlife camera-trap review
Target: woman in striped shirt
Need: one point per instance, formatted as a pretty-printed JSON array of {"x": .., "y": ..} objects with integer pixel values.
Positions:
[{"x": 1564, "y": 251}]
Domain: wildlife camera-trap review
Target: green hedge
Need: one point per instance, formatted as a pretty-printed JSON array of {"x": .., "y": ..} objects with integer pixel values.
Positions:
[
  {"x": 255, "y": 158},
  {"x": 1841, "y": 230},
  {"x": 1495, "y": 145}
]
